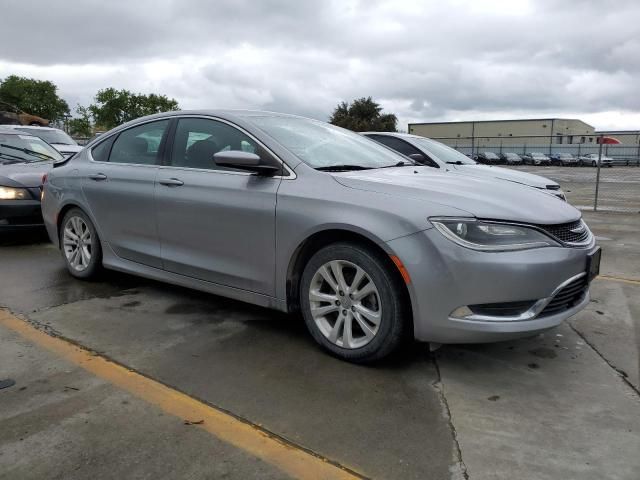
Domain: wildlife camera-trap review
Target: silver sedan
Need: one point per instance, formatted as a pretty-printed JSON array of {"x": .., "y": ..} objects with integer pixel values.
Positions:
[{"x": 298, "y": 215}]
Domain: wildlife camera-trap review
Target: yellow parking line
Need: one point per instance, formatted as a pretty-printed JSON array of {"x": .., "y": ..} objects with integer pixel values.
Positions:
[
  {"x": 619, "y": 279},
  {"x": 290, "y": 459}
]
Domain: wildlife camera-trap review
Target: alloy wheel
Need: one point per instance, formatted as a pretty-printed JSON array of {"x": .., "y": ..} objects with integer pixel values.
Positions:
[
  {"x": 77, "y": 243},
  {"x": 345, "y": 304}
]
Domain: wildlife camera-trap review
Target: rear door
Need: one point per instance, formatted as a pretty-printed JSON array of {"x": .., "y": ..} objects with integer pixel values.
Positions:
[
  {"x": 119, "y": 187},
  {"x": 217, "y": 224}
]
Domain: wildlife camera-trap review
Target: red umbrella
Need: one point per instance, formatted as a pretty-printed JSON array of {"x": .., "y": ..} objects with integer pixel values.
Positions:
[{"x": 608, "y": 140}]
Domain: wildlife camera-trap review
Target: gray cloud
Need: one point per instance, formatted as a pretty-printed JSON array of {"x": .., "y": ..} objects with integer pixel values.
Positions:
[{"x": 423, "y": 60}]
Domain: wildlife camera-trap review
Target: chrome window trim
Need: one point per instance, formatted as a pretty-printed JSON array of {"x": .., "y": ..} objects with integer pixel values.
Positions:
[{"x": 530, "y": 314}]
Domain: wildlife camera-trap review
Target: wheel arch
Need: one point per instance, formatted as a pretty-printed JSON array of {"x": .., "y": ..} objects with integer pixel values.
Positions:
[
  {"x": 322, "y": 238},
  {"x": 69, "y": 206}
]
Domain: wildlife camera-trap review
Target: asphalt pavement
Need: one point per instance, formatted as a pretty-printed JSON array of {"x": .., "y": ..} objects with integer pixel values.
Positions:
[{"x": 560, "y": 405}]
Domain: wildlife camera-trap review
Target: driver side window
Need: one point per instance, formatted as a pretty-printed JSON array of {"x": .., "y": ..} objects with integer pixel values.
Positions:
[{"x": 198, "y": 139}]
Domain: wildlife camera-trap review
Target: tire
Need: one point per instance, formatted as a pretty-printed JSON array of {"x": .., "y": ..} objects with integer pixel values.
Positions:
[
  {"x": 86, "y": 263},
  {"x": 386, "y": 301},
  {"x": 593, "y": 164}
]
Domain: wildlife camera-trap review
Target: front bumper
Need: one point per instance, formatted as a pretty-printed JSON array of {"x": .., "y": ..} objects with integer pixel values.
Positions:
[
  {"x": 20, "y": 214},
  {"x": 446, "y": 276}
]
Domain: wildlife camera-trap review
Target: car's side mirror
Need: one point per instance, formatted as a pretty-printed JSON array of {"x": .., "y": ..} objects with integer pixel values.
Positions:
[
  {"x": 244, "y": 161},
  {"x": 418, "y": 157}
]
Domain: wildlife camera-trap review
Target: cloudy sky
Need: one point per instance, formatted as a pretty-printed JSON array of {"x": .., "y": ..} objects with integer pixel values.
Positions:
[{"x": 423, "y": 60}]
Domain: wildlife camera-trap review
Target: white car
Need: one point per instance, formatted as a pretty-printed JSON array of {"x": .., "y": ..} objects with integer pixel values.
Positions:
[
  {"x": 592, "y": 159},
  {"x": 55, "y": 137},
  {"x": 434, "y": 154}
]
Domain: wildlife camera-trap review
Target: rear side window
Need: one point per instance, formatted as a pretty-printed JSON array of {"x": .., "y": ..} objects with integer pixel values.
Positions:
[
  {"x": 139, "y": 145},
  {"x": 100, "y": 152}
]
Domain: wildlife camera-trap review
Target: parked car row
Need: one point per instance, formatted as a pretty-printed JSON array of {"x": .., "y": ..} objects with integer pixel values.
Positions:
[
  {"x": 375, "y": 238},
  {"x": 539, "y": 158}
]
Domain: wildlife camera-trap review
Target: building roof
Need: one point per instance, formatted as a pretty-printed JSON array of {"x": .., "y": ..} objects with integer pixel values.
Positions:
[{"x": 507, "y": 120}]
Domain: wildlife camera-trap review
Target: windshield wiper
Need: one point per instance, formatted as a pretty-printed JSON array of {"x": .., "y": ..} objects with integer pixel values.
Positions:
[
  {"x": 401, "y": 163},
  {"x": 342, "y": 168},
  {"x": 27, "y": 151},
  {"x": 457, "y": 162},
  {"x": 14, "y": 158}
]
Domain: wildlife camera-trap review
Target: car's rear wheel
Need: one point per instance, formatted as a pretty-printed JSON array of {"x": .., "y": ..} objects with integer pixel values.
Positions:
[
  {"x": 80, "y": 245},
  {"x": 353, "y": 303},
  {"x": 593, "y": 163}
]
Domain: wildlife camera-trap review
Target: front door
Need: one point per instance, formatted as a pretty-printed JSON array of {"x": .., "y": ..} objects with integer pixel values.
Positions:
[
  {"x": 216, "y": 224},
  {"x": 119, "y": 185}
]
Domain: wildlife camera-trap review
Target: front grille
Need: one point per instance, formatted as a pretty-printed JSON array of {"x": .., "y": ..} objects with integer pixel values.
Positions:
[
  {"x": 567, "y": 298},
  {"x": 565, "y": 231}
]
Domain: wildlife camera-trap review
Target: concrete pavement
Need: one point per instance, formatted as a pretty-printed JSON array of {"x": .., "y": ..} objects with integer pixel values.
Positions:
[{"x": 562, "y": 405}]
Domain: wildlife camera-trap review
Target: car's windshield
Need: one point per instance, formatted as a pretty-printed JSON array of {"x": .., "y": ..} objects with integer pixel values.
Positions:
[
  {"x": 511, "y": 155},
  {"x": 565, "y": 155},
  {"x": 25, "y": 148},
  {"x": 50, "y": 136},
  {"x": 321, "y": 145},
  {"x": 442, "y": 152},
  {"x": 490, "y": 155}
]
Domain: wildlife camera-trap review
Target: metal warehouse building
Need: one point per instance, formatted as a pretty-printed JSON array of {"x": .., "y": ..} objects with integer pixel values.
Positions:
[
  {"x": 549, "y": 130},
  {"x": 548, "y": 135}
]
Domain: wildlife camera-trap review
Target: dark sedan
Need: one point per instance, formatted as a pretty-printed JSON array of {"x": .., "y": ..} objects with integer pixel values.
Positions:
[
  {"x": 24, "y": 159},
  {"x": 488, "y": 158}
]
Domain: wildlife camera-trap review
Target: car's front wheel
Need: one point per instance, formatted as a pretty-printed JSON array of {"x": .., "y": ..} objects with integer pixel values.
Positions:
[
  {"x": 353, "y": 302},
  {"x": 80, "y": 245}
]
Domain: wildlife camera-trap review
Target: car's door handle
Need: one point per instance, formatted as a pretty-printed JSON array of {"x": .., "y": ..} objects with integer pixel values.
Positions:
[
  {"x": 98, "y": 177},
  {"x": 171, "y": 182}
]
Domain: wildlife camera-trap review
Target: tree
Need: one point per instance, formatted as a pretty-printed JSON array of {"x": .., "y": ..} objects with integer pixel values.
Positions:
[
  {"x": 37, "y": 97},
  {"x": 362, "y": 115},
  {"x": 80, "y": 126},
  {"x": 114, "y": 107}
]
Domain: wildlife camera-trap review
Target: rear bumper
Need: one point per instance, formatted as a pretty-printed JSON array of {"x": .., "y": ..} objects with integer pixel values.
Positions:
[
  {"x": 20, "y": 214},
  {"x": 446, "y": 277}
]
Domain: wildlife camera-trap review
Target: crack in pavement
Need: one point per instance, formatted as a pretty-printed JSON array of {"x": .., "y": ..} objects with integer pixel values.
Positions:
[
  {"x": 620, "y": 373},
  {"x": 438, "y": 385}
]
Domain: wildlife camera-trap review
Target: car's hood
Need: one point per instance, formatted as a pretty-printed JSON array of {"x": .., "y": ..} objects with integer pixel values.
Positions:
[
  {"x": 27, "y": 175},
  {"x": 504, "y": 174},
  {"x": 482, "y": 197},
  {"x": 66, "y": 148}
]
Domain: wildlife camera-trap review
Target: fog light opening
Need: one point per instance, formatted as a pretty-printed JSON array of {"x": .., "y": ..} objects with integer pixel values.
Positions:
[{"x": 461, "y": 312}]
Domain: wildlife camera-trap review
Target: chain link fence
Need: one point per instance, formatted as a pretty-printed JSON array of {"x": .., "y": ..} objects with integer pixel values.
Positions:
[{"x": 595, "y": 174}]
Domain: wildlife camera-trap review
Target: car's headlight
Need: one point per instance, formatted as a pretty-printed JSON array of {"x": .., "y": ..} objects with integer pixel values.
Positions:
[
  {"x": 491, "y": 236},
  {"x": 12, "y": 193}
]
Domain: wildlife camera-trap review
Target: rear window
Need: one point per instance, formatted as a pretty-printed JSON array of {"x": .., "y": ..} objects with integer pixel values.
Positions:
[{"x": 100, "y": 152}]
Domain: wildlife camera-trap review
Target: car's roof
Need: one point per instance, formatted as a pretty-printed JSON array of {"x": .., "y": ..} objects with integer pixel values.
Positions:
[
  {"x": 28, "y": 127},
  {"x": 11, "y": 131},
  {"x": 394, "y": 134}
]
